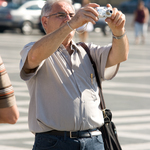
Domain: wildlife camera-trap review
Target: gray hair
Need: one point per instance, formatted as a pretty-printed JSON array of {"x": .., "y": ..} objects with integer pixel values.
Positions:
[{"x": 48, "y": 6}]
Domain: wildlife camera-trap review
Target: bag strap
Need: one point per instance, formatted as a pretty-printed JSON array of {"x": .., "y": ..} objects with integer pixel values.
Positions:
[{"x": 102, "y": 103}]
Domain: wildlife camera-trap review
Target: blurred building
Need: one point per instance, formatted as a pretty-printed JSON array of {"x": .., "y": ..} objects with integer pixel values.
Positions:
[
  {"x": 104, "y": 2},
  {"x": 112, "y": 2},
  {"x": 101, "y": 2}
]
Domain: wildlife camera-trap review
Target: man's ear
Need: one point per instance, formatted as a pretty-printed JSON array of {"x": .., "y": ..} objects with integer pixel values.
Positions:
[{"x": 44, "y": 21}]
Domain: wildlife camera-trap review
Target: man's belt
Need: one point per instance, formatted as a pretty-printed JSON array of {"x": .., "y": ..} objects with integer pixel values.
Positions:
[{"x": 77, "y": 134}]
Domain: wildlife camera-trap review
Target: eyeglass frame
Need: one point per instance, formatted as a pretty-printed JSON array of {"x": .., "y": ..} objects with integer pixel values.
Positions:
[{"x": 61, "y": 14}]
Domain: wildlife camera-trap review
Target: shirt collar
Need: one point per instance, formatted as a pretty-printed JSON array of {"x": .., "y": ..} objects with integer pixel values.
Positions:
[{"x": 74, "y": 47}]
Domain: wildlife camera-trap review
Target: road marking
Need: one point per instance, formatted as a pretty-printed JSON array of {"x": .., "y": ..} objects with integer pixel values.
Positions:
[
  {"x": 133, "y": 127},
  {"x": 12, "y": 148},
  {"x": 25, "y": 94},
  {"x": 17, "y": 127},
  {"x": 127, "y": 93},
  {"x": 22, "y": 102},
  {"x": 136, "y": 112},
  {"x": 132, "y": 135},
  {"x": 133, "y": 74},
  {"x": 132, "y": 119},
  {"x": 121, "y": 84},
  {"x": 16, "y": 135},
  {"x": 138, "y": 146}
]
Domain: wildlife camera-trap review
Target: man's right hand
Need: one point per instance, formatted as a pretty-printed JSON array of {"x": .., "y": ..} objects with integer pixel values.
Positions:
[{"x": 84, "y": 15}]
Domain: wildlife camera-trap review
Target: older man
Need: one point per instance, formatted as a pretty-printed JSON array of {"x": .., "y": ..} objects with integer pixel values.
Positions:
[{"x": 64, "y": 110}]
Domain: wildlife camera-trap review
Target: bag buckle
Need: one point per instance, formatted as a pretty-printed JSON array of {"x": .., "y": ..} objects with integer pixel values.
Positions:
[{"x": 107, "y": 118}]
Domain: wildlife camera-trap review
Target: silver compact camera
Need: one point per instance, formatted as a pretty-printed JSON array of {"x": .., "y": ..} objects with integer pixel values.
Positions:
[{"x": 104, "y": 12}]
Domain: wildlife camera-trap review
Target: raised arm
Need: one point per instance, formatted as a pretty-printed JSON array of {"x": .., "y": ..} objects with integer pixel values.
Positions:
[
  {"x": 58, "y": 32},
  {"x": 120, "y": 45}
]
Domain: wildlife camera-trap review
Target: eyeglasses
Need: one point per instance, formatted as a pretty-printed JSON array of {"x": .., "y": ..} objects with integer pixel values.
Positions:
[{"x": 61, "y": 15}]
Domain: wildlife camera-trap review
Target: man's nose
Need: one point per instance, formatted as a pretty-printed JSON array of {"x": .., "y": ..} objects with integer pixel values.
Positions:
[{"x": 68, "y": 17}]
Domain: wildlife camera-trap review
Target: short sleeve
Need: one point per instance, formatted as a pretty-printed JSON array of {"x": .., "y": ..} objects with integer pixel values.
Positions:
[
  {"x": 100, "y": 56},
  {"x": 24, "y": 54},
  {"x": 7, "y": 97}
]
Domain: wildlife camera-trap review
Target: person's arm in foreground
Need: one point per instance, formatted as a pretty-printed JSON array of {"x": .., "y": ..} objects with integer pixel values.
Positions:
[
  {"x": 120, "y": 47},
  {"x": 9, "y": 115},
  {"x": 8, "y": 108}
]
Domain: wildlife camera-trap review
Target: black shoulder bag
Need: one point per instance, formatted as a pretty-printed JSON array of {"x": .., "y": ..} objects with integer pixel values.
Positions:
[{"x": 109, "y": 132}]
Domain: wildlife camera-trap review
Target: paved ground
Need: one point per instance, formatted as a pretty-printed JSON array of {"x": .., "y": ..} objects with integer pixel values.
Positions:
[{"x": 127, "y": 95}]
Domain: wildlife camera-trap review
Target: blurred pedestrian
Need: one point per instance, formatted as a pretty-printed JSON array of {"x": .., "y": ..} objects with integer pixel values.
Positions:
[
  {"x": 8, "y": 108},
  {"x": 88, "y": 27},
  {"x": 141, "y": 18}
]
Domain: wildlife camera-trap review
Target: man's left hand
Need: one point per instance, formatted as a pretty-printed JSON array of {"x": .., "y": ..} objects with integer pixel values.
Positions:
[{"x": 116, "y": 22}]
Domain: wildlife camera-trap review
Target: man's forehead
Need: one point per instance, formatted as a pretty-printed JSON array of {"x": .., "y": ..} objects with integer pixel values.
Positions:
[{"x": 59, "y": 6}]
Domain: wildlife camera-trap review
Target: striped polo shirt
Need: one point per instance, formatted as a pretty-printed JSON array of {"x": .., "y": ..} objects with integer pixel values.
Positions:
[{"x": 7, "y": 98}]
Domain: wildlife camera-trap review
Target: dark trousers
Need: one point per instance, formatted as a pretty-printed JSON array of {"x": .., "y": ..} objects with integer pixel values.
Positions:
[{"x": 50, "y": 142}]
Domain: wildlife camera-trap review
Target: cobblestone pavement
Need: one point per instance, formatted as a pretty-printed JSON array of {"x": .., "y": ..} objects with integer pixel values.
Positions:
[{"x": 127, "y": 95}]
